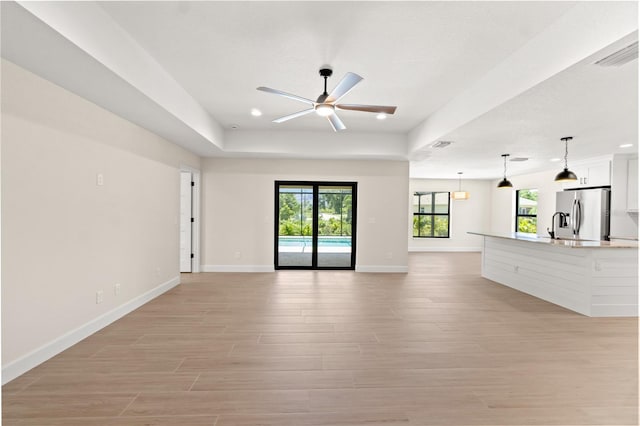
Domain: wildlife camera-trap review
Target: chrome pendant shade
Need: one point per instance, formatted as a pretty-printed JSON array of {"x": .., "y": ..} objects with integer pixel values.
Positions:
[
  {"x": 504, "y": 183},
  {"x": 566, "y": 175}
]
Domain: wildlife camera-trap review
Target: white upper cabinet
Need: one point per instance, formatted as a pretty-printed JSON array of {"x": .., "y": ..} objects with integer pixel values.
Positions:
[{"x": 590, "y": 174}]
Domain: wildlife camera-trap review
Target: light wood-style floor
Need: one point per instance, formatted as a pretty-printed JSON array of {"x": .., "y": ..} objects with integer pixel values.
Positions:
[{"x": 437, "y": 346}]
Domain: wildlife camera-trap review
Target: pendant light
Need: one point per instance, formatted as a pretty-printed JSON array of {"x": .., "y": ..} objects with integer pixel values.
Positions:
[
  {"x": 504, "y": 183},
  {"x": 459, "y": 194},
  {"x": 566, "y": 175}
]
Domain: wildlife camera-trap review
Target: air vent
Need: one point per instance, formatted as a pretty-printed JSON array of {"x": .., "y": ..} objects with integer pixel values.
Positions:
[
  {"x": 518, "y": 159},
  {"x": 441, "y": 144},
  {"x": 620, "y": 57}
]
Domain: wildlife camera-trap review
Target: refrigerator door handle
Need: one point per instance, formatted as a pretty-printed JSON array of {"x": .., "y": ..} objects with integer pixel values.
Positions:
[
  {"x": 579, "y": 217},
  {"x": 574, "y": 220}
]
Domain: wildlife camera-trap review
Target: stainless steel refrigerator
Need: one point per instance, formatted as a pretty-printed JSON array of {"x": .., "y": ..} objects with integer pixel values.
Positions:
[{"x": 588, "y": 211}]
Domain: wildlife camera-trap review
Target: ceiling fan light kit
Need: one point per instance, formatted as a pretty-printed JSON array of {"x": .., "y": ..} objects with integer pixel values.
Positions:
[
  {"x": 327, "y": 103},
  {"x": 324, "y": 110}
]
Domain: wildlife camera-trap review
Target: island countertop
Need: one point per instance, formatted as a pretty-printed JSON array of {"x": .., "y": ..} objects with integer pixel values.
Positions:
[
  {"x": 594, "y": 278},
  {"x": 561, "y": 242}
]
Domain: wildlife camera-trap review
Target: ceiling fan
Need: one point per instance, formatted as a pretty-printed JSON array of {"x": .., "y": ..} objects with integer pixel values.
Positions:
[{"x": 326, "y": 104}]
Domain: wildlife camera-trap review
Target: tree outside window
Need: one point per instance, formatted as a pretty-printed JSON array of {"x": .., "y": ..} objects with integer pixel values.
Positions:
[
  {"x": 431, "y": 214},
  {"x": 296, "y": 211},
  {"x": 527, "y": 211},
  {"x": 335, "y": 210}
]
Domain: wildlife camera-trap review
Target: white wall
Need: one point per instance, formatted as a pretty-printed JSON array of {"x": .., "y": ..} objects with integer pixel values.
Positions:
[
  {"x": 623, "y": 224},
  {"x": 472, "y": 214},
  {"x": 238, "y": 210},
  {"x": 63, "y": 236}
]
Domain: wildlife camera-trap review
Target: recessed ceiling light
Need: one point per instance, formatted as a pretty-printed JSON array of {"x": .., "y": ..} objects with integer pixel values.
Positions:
[
  {"x": 256, "y": 112},
  {"x": 626, "y": 145},
  {"x": 555, "y": 160},
  {"x": 235, "y": 126},
  {"x": 518, "y": 159},
  {"x": 381, "y": 116}
]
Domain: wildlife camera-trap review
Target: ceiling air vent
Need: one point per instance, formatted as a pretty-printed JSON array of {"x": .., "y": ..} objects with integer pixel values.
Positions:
[
  {"x": 441, "y": 144},
  {"x": 621, "y": 57},
  {"x": 518, "y": 159}
]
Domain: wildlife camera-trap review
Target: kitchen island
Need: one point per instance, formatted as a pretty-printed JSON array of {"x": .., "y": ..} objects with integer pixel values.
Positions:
[{"x": 594, "y": 278}]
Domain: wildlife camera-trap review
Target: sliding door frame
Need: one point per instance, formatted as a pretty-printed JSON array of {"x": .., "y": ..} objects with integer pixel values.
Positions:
[{"x": 314, "y": 255}]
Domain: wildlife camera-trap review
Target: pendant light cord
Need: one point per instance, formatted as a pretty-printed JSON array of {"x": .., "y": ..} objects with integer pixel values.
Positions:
[
  {"x": 505, "y": 167},
  {"x": 505, "y": 183},
  {"x": 566, "y": 151}
]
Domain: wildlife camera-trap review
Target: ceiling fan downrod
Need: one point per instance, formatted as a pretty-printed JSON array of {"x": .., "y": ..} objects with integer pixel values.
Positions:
[{"x": 326, "y": 73}]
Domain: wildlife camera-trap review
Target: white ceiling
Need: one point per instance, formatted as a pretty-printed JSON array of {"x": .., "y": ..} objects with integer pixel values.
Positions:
[{"x": 189, "y": 71}]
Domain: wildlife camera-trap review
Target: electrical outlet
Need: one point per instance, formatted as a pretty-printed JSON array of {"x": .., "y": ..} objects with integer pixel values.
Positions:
[
  {"x": 389, "y": 255},
  {"x": 99, "y": 179},
  {"x": 99, "y": 296},
  {"x": 238, "y": 254},
  {"x": 116, "y": 289}
]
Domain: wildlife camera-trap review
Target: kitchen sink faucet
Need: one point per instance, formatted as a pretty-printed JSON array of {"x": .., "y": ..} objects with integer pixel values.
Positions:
[{"x": 562, "y": 223}]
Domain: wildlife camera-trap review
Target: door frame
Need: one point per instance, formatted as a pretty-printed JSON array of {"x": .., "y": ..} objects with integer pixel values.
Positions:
[
  {"x": 195, "y": 213},
  {"x": 314, "y": 256}
]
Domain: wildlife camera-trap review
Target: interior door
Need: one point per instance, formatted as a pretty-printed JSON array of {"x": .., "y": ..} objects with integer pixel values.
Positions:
[
  {"x": 315, "y": 225},
  {"x": 186, "y": 203}
]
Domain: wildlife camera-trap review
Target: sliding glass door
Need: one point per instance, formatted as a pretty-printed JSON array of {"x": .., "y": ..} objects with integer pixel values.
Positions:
[
  {"x": 315, "y": 225},
  {"x": 295, "y": 221}
]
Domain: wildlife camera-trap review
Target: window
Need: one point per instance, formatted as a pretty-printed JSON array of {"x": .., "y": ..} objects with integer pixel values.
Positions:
[
  {"x": 527, "y": 211},
  {"x": 431, "y": 214}
]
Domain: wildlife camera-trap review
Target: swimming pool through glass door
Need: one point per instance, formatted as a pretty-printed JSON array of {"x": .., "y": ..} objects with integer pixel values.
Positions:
[{"x": 315, "y": 225}]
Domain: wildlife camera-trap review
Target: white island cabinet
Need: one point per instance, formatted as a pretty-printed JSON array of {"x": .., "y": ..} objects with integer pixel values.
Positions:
[{"x": 594, "y": 278}]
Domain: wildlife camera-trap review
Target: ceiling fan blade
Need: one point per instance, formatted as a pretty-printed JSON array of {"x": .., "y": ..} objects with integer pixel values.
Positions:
[
  {"x": 286, "y": 95},
  {"x": 336, "y": 123},
  {"x": 367, "y": 108},
  {"x": 346, "y": 84},
  {"x": 294, "y": 115}
]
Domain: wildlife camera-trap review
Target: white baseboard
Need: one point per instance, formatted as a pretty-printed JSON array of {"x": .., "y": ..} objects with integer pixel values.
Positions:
[
  {"x": 49, "y": 350},
  {"x": 614, "y": 311},
  {"x": 237, "y": 268},
  {"x": 269, "y": 268},
  {"x": 383, "y": 268},
  {"x": 443, "y": 249}
]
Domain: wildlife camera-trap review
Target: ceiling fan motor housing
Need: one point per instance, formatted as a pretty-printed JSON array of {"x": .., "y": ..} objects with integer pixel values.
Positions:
[{"x": 326, "y": 72}]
